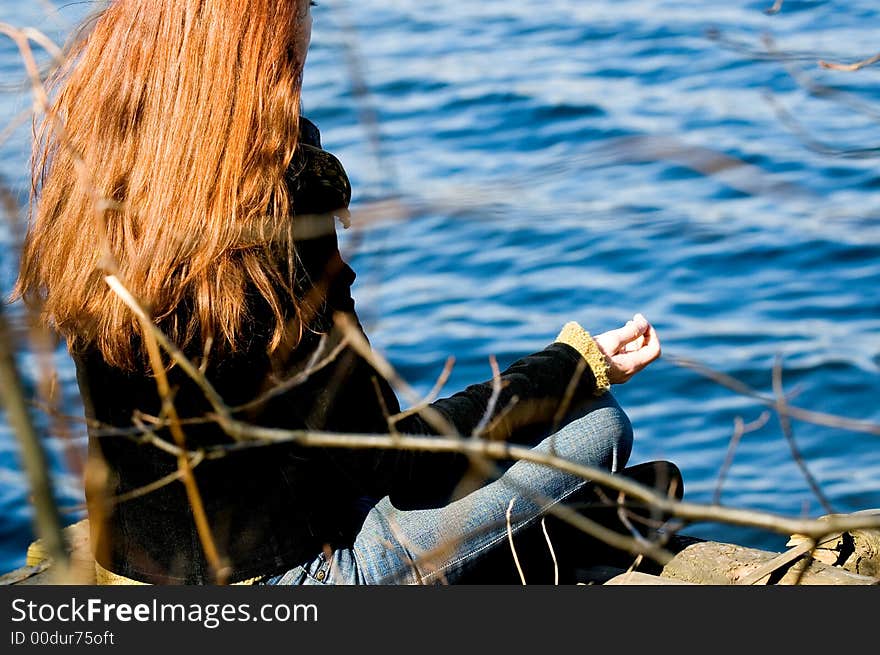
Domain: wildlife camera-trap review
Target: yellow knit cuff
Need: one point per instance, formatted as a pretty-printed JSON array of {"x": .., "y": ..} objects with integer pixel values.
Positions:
[{"x": 579, "y": 339}]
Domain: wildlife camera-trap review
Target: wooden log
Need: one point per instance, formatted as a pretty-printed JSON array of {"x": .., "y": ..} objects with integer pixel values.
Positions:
[
  {"x": 637, "y": 578},
  {"x": 708, "y": 561},
  {"x": 82, "y": 564},
  {"x": 857, "y": 550},
  {"x": 27, "y": 575},
  {"x": 763, "y": 573},
  {"x": 865, "y": 556}
]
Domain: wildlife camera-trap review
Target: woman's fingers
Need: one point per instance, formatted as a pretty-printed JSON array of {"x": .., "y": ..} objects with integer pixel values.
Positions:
[
  {"x": 613, "y": 341},
  {"x": 629, "y": 349},
  {"x": 649, "y": 348}
]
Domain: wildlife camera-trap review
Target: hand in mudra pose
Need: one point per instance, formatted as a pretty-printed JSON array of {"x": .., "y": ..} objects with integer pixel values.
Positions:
[{"x": 629, "y": 349}]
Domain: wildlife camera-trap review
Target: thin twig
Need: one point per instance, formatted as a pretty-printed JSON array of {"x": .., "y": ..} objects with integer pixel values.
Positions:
[
  {"x": 774, "y": 564},
  {"x": 369, "y": 117},
  {"x": 739, "y": 429},
  {"x": 496, "y": 450},
  {"x": 147, "y": 436},
  {"x": 522, "y": 576},
  {"x": 200, "y": 516},
  {"x": 47, "y": 519},
  {"x": 859, "y": 65},
  {"x": 623, "y": 515},
  {"x": 814, "y": 144},
  {"x": 216, "y": 402},
  {"x": 746, "y": 48},
  {"x": 822, "y": 91},
  {"x": 807, "y": 563},
  {"x": 300, "y": 378},
  {"x": 690, "y": 512},
  {"x": 569, "y": 394},
  {"x": 432, "y": 395},
  {"x": 158, "y": 484},
  {"x": 550, "y": 548},
  {"x": 17, "y": 121},
  {"x": 42, "y": 102},
  {"x": 384, "y": 407},
  {"x": 360, "y": 345},
  {"x": 421, "y": 562},
  {"x": 775, "y": 9},
  {"x": 635, "y": 564},
  {"x": 500, "y": 416},
  {"x": 152, "y": 337},
  {"x": 206, "y": 354},
  {"x": 788, "y": 432},
  {"x": 808, "y": 416},
  {"x": 493, "y": 399}
]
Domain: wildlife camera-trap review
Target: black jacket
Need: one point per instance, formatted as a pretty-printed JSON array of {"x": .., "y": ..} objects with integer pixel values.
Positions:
[{"x": 272, "y": 507}]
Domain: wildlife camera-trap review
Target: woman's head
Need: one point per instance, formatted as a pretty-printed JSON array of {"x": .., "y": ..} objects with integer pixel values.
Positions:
[{"x": 184, "y": 115}]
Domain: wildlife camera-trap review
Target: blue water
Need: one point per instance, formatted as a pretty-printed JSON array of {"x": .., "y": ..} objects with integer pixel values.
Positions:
[{"x": 534, "y": 163}]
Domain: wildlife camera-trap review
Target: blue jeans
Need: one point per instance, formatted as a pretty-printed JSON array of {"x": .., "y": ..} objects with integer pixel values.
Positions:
[{"x": 440, "y": 546}]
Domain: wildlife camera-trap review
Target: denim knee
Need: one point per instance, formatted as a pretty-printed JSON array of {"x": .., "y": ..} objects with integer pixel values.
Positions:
[
  {"x": 611, "y": 431},
  {"x": 619, "y": 432}
]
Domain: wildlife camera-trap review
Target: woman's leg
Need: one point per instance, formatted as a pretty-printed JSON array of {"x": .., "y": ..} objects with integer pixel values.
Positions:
[
  {"x": 441, "y": 545},
  {"x": 438, "y": 545}
]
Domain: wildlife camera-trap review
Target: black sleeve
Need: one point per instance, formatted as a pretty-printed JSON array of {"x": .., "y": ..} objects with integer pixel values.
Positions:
[{"x": 537, "y": 392}]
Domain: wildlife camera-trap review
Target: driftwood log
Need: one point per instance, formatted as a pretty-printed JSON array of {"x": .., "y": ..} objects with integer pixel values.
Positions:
[
  {"x": 712, "y": 562},
  {"x": 637, "y": 578},
  {"x": 857, "y": 550},
  {"x": 38, "y": 569}
]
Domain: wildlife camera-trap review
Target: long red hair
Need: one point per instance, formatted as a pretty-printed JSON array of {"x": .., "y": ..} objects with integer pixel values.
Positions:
[{"x": 184, "y": 115}]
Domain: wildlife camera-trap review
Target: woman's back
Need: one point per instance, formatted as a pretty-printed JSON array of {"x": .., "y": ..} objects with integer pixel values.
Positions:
[{"x": 268, "y": 506}]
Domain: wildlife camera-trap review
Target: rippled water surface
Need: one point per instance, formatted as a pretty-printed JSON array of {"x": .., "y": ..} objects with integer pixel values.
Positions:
[{"x": 586, "y": 160}]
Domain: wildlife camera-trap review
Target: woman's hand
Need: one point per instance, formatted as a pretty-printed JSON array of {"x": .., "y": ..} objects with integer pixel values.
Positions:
[{"x": 629, "y": 349}]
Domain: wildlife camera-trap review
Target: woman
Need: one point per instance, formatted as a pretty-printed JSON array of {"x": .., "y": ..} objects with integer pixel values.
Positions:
[{"x": 184, "y": 167}]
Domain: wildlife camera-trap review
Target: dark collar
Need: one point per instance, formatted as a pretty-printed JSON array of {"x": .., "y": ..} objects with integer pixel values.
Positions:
[{"x": 309, "y": 132}]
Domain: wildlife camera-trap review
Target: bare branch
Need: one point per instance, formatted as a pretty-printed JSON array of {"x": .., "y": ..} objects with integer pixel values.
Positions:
[
  {"x": 783, "y": 559},
  {"x": 432, "y": 395},
  {"x": 569, "y": 393},
  {"x": 384, "y": 407},
  {"x": 500, "y": 416},
  {"x": 158, "y": 484},
  {"x": 739, "y": 429},
  {"x": 369, "y": 118},
  {"x": 808, "y": 416},
  {"x": 813, "y": 143},
  {"x": 788, "y": 432},
  {"x": 522, "y": 576},
  {"x": 151, "y": 341},
  {"x": 300, "y": 378},
  {"x": 359, "y": 343},
  {"x": 42, "y": 103},
  {"x": 17, "y": 121},
  {"x": 493, "y": 399},
  {"x": 499, "y": 450},
  {"x": 223, "y": 412},
  {"x": 775, "y": 9},
  {"x": 859, "y": 65},
  {"x": 623, "y": 515},
  {"x": 803, "y": 571},
  {"x": 206, "y": 354},
  {"x": 550, "y": 548},
  {"x": 184, "y": 465},
  {"x": 47, "y": 519}
]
